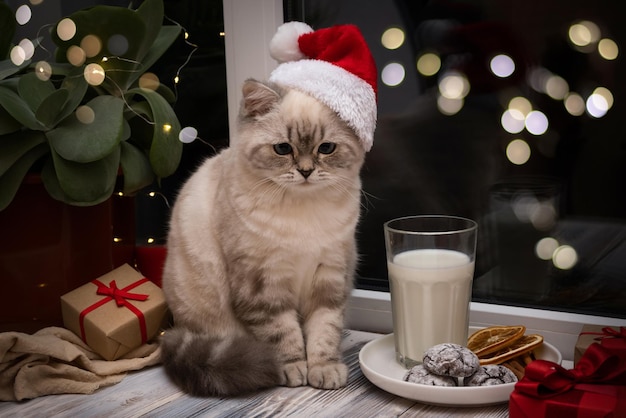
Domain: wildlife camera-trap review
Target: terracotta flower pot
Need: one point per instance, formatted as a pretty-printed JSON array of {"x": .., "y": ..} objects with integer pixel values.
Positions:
[{"x": 48, "y": 248}]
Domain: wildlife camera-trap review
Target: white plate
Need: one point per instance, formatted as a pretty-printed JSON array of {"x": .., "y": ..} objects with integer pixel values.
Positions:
[{"x": 378, "y": 363}]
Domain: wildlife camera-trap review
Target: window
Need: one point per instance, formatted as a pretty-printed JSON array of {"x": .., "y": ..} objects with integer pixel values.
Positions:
[{"x": 507, "y": 113}]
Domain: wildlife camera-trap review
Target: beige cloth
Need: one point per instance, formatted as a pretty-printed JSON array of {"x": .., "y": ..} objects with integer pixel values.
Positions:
[{"x": 55, "y": 360}]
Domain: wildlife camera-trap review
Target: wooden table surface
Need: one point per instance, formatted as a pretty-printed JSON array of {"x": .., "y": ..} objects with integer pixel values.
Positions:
[{"x": 149, "y": 393}]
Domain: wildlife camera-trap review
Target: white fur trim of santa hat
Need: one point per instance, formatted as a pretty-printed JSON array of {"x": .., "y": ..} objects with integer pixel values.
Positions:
[{"x": 348, "y": 94}]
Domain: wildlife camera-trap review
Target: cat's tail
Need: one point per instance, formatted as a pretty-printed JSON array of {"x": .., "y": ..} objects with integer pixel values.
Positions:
[{"x": 204, "y": 366}]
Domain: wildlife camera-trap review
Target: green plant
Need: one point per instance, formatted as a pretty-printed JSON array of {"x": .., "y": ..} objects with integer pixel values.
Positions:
[{"x": 130, "y": 131}]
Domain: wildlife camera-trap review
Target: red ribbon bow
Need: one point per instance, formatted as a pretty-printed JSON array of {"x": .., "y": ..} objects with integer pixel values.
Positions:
[
  {"x": 121, "y": 297},
  {"x": 598, "y": 365}
]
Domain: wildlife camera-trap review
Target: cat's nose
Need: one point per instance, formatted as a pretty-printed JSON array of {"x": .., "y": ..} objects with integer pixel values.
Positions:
[{"x": 305, "y": 173}]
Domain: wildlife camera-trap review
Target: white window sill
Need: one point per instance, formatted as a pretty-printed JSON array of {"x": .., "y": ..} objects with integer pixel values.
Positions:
[{"x": 371, "y": 311}]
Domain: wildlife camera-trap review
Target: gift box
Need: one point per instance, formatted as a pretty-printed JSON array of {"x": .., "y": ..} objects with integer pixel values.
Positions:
[
  {"x": 116, "y": 312},
  {"x": 611, "y": 338},
  {"x": 595, "y": 388}
]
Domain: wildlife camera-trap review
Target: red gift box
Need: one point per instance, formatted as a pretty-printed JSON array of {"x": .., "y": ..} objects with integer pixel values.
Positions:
[
  {"x": 611, "y": 338},
  {"x": 595, "y": 388}
]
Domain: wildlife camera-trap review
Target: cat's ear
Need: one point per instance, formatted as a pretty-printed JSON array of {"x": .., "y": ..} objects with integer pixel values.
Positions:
[{"x": 258, "y": 99}]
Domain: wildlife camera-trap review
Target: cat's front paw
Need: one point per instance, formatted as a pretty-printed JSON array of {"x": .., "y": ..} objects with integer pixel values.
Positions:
[
  {"x": 293, "y": 374},
  {"x": 331, "y": 375}
]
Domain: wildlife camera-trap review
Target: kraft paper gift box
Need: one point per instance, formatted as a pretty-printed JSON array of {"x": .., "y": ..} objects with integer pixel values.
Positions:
[
  {"x": 613, "y": 338},
  {"x": 115, "y": 313},
  {"x": 594, "y": 388}
]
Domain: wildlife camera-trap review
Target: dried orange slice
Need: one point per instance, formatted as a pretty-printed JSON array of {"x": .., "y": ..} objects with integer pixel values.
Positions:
[
  {"x": 520, "y": 346},
  {"x": 491, "y": 339}
]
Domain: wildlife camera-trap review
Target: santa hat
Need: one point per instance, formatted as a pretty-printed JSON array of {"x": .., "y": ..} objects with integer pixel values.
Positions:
[{"x": 333, "y": 65}]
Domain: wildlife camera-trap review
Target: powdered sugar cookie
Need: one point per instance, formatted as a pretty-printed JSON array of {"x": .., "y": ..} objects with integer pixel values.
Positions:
[
  {"x": 418, "y": 374},
  {"x": 450, "y": 359},
  {"x": 491, "y": 374}
]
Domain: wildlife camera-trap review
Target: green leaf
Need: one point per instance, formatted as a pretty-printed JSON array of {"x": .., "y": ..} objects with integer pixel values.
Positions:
[
  {"x": 76, "y": 85},
  {"x": 19, "y": 109},
  {"x": 166, "y": 149},
  {"x": 82, "y": 142},
  {"x": 121, "y": 32},
  {"x": 7, "y": 68},
  {"x": 14, "y": 146},
  {"x": 49, "y": 110},
  {"x": 151, "y": 13},
  {"x": 12, "y": 179},
  {"x": 8, "y": 124},
  {"x": 83, "y": 184},
  {"x": 166, "y": 37},
  {"x": 136, "y": 168},
  {"x": 33, "y": 90}
]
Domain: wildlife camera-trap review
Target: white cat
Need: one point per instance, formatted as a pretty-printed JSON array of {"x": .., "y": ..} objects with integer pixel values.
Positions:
[{"x": 261, "y": 251}]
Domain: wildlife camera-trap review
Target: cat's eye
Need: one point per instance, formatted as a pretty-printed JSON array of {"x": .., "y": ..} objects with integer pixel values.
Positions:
[
  {"x": 282, "y": 149},
  {"x": 326, "y": 147}
]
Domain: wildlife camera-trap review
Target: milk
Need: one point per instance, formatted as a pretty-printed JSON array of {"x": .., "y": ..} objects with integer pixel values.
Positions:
[{"x": 430, "y": 294}]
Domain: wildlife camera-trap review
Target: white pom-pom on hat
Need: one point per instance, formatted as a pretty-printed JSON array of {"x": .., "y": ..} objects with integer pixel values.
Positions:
[{"x": 284, "y": 45}]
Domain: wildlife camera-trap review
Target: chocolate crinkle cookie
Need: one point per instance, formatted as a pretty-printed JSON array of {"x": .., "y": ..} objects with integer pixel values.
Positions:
[
  {"x": 418, "y": 374},
  {"x": 492, "y": 374},
  {"x": 450, "y": 359}
]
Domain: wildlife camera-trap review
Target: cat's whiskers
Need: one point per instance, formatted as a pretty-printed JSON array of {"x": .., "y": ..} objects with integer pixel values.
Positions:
[
  {"x": 341, "y": 186},
  {"x": 366, "y": 197}
]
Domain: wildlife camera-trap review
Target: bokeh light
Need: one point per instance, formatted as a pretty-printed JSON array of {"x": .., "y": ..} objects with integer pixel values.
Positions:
[
  {"x": 28, "y": 47},
  {"x": 454, "y": 85},
  {"x": 584, "y": 33},
  {"x": 392, "y": 74},
  {"x": 518, "y": 151},
  {"x": 92, "y": 45},
  {"x": 392, "y": 38},
  {"x": 18, "y": 55},
  {"x": 76, "y": 55},
  {"x": 556, "y": 87},
  {"x": 85, "y": 114},
  {"x": 521, "y": 104},
  {"x": 449, "y": 106},
  {"x": 149, "y": 81},
  {"x": 574, "y": 104},
  {"x": 502, "y": 65},
  {"x": 23, "y": 14},
  {"x": 545, "y": 248},
  {"x": 608, "y": 49},
  {"x": 188, "y": 134},
  {"x": 43, "y": 70},
  {"x": 512, "y": 121},
  {"x": 536, "y": 122},
  {"x": 543, "y": 216},
  {"x": 66, "y": 29},
  {"x": 606, "y": 94},
  {"x": 94, "y": 74},
  {"x": 428, "y": 64},
  {"x": 596, "y": 105},
  {"x": 117, "y": 44},
  {"x": 565, "y": 257}
]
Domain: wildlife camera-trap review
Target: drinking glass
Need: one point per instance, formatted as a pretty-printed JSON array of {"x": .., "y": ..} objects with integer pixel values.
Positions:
[{"x": 430, "y": 262}]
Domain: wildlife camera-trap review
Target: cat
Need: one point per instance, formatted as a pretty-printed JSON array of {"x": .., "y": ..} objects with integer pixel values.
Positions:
[{"x": 262, "y": 251}]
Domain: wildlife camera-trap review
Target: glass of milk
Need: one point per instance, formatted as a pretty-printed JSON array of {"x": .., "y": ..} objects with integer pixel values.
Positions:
[{"x": 430, "y": 262}]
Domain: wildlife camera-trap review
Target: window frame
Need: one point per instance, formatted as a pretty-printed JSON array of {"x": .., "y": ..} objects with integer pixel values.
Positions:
[{"x": 247, "y": 55}]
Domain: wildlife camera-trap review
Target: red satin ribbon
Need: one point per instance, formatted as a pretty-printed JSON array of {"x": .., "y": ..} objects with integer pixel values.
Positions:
[
  {"x": 121, "y": 297},
  {"x": 594, "y": 388},
  {"x": 544, "y": 378}
]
